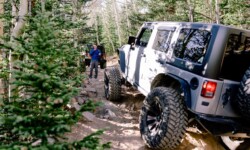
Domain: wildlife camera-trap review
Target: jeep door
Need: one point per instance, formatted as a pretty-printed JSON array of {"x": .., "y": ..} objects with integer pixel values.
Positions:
[
  {"x": 136, "y": 55},
  {"x": 155, "y": 57}
]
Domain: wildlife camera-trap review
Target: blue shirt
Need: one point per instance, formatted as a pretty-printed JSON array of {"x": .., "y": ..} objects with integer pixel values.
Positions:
[{"x": 95, "y": 54}]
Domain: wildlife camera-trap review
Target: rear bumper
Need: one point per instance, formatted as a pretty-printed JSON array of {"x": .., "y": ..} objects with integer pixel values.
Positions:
[{"x": 225, "y": 126}]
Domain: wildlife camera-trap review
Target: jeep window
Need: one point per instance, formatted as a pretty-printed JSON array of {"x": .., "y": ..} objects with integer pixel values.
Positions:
[
  {"x": 247, "y": 44},
  {"x": 237, "y": 56},
  {"x": 237, "y": 44},
  {"x": 144, "y": 37},
  {"x": 162, "y": 40},
  {"x": 192, "y": 44}
]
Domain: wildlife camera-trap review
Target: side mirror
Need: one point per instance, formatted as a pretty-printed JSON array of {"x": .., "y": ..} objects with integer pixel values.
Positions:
[
  {"x": 117, "y": 51},
  {"x": 131, "y": 41}
]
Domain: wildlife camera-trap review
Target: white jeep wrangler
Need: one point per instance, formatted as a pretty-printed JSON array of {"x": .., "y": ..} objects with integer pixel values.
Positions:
[{"x": 187, "y": 71}]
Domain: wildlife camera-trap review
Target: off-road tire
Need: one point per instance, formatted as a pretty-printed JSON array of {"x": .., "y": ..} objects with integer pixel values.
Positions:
[
  {"x": 163, "y": 118},
  {"x": 243, "y": 96},
  {"x": 112, "y": 84}
]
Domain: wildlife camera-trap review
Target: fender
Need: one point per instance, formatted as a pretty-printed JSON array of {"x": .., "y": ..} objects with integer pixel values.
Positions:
[
  {"x": 186, "y": 89},
  {"x": 122, "y": 60}
]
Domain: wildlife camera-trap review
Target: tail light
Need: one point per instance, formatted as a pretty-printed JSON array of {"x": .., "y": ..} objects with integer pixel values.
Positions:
[{"x": 208, "y": 89}]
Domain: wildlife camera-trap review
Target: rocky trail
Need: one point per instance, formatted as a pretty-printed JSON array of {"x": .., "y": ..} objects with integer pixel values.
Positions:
[{"x": 120, "y": 119}]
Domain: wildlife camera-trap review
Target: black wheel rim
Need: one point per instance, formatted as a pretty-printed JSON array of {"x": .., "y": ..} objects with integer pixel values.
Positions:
[
  {"x": 106, "y": 87},
  {"x": 154, "y": 116}
]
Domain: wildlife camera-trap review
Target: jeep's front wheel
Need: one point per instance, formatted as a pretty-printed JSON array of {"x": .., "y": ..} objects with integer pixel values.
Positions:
[
  {"x": 112, "y": 84},
  {"x": 163, "y": 118},
  {"x": 243, "y": 96}
]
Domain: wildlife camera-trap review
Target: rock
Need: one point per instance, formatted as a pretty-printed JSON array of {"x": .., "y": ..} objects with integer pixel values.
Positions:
[
  {"x": 132, "y": 107},
  {"x": 73, "y": 100},
  {"x": 83, "y": 85},
  {"x": 89, "y": 116},
  {"x": 70, "y": 108},
  {"x": 200, "y": 142},
  {"x": 39, "y": 141},
  {"x": 108, "y": 114},
  {"x": 92, "y": 92},
  {"x": 89, "y": 89},
  {"x": 51, "y": 140},
  {"x": 84, "y": 93},
  {"x": 86, "y": 82},
  {"x": 122, "y": 106},
  {"x": 122, "y": 145},
  {"x": 81, "y": 100},
  {"x": 73, "y": 107},
  {"x": 36, "y": 143},
  {"x": 101, "y": 80},
  {"x": 76, "y": 106}
]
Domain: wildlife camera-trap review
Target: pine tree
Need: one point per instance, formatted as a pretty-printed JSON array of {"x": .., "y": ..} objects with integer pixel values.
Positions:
[{"x": 45, "y": 80}]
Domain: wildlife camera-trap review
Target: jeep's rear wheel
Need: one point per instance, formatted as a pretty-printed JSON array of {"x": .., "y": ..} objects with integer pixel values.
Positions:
[
  {"x": 112, "y": 84},
  {"x": 243, "y": 96},
  {"x": 163, "y": 118}
]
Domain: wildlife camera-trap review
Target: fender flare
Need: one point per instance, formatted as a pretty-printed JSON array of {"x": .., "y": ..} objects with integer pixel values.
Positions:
[
  {"x": 186, "y": 89},
  {"x": 122, "y": 61}
]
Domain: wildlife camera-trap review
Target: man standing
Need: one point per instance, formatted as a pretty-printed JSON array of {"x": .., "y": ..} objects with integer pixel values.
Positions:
[{"x": 95, "y": 55}]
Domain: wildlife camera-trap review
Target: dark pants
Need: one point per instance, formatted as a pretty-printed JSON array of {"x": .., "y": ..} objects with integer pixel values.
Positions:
[{"x": 94, "y": 64}]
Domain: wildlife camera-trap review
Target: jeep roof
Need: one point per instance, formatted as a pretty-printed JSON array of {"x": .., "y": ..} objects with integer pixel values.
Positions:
[{"x": 215, "y": 63}]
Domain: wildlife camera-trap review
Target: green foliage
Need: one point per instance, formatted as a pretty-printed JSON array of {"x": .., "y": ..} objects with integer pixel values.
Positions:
[
  {"x": 231, "y": 12},
  {"x": 6, "y": 18},
  {"x": 46, "y": 77},
  {"x": 236, "y": 13}
]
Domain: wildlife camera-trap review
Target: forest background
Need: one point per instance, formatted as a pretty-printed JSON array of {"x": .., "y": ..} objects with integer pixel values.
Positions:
[{"x": 40, "y": 56}]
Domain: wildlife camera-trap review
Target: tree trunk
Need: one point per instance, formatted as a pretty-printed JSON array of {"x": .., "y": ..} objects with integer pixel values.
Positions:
[
  {"x": 217, "y": 11},
  {"x": 18, "y": 25},
  {"x": 75, "y": 2},
  {"x": 126, "y": 10},
  {"x": 134, "y": 6},
  {"x": 1, "y": 12},
  {"x": 43, "y": 5},
  {"x": 211, "y": 10},
  {"x": 117, "y": 22},
  {"x": 190, "y": 11},
  {"x": 23, "y": 10},
  {"x": 2, "y": 87},
  {"x": 96, "y": 27},
  {"x": 29, "y": 6},
  {"x": 108, "y": 32}
]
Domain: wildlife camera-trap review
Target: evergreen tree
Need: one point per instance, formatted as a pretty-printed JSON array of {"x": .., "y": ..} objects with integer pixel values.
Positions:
[{"x": 45, "y": 80}]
